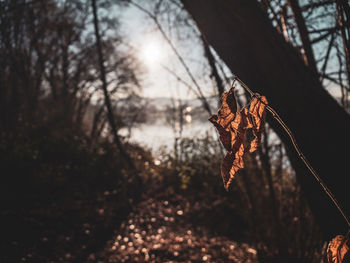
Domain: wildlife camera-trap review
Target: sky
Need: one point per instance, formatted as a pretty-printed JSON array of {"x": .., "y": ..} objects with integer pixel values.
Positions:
[{"x": 155, "y": 54}]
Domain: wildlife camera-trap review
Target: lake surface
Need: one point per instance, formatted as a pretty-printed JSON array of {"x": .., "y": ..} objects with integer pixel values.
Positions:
[{"x": 161, "y": 135}]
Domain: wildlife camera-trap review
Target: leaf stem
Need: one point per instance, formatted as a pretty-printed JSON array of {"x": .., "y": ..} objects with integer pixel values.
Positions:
[{"x": 297, "y": 149}]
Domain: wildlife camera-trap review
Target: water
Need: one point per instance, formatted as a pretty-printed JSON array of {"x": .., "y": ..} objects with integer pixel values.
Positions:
[{"x": 161, "y": 135}]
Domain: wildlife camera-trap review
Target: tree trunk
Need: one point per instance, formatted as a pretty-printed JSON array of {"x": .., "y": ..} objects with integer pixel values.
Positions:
[
  {"x": 244, "y": 38},
  {"x": 304, "y": 35},
  {"x": 110, "y": 114},
  {"x": 212, "y": 63},
  {"x": 345, "y": 31}
]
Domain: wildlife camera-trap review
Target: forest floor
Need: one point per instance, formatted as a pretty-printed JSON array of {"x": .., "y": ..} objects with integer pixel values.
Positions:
[
  {"x": 161, "y": 229},
  {"x": 163, "y": 226}
]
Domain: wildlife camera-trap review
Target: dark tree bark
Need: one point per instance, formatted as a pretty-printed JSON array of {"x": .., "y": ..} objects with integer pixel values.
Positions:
[
  {"x": 244, "y": 38},
  {"x": 110, "y": 115}
]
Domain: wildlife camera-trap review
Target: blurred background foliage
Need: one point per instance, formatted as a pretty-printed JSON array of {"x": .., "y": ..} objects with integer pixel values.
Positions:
[{"x": 65, "y": 183}]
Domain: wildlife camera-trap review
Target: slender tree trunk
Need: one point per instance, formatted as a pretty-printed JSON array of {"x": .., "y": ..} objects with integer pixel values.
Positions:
[
  {"x": 244, "y": 38},
  {"x": 212, "y": 63},
  {"x": 346, "y": 7},
  {"x": 345, "y": 31},
  {"x": 110, "y": 116},
  {"x": 266, "y": 166},
  {"x": 299, "y": 19}
]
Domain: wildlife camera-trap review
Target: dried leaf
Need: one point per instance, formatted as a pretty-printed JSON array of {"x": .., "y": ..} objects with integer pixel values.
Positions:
[
  {"x": 338, "y": 249},
  {"x": 225, "y": 116},
  {"x": 232, "y": 127},
  {"x": 257, "y": 110}
]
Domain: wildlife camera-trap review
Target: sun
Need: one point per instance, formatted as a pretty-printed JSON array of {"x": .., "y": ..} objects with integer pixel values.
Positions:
[{"x": 152, "y": 53}]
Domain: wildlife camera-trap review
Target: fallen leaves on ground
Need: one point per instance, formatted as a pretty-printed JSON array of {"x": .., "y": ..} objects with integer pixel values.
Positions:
[
  {"x": 162, "y": 230},
  {"x": 233, "y": 126}
]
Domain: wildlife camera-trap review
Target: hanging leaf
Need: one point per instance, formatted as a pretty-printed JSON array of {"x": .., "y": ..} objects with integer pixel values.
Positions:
[
  {"x": 226, "y": 115},
  {"x": 232, "y": 126},
  {"x": 257, "y": 110},
  {"x": 338, "y": 250}
]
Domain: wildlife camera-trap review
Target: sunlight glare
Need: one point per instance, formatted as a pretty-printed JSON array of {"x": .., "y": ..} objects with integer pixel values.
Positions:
[{"x": 152, "y": 53}]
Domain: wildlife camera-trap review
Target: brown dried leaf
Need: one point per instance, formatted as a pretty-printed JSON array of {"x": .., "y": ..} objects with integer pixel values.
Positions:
[
  {"x": 230, "y": 165},
  {"x": 226, "y": 115},
  {"x": 232, "y": 127},
  {"x": 257, "y": 110},
  {"x": 338, "y": 249}
]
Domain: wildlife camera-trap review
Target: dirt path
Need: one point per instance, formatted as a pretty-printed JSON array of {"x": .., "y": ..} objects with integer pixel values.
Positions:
[{"x": 161, "y": 231}]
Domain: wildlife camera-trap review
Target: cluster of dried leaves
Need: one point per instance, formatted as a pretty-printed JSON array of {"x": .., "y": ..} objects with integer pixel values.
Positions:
[
  {"x": 233, "y": 127},
  {"x": 338, "y": 250}
]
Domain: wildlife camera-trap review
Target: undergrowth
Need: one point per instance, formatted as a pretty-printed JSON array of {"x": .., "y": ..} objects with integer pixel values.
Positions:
[
  {"x": 245, "y": 213},
  {"x": 61, "y": 196}
]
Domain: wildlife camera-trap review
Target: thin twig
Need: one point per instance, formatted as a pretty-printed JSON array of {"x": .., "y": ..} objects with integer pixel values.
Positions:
[
  {"x": 296, "y": 147},
  {"x": 177, "y": 54},
  {"x": 181, "y": 80}
]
